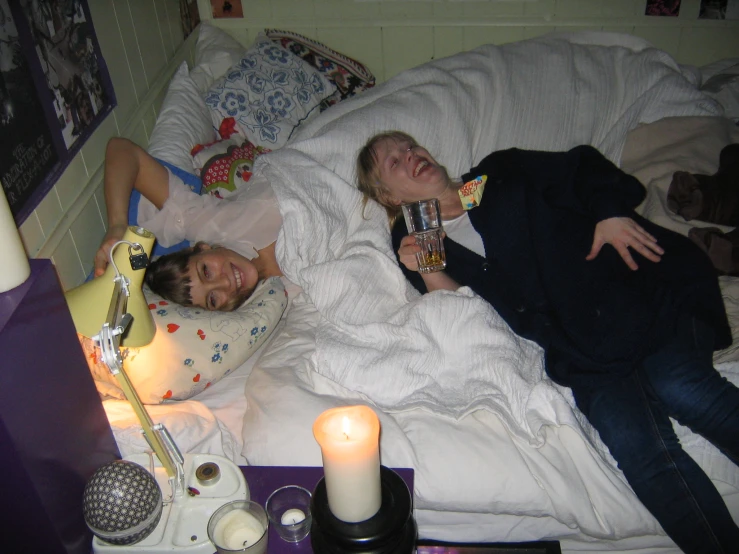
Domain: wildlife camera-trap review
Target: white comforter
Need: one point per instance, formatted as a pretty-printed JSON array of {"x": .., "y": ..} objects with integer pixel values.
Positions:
[{"x": 368, "y": 336}]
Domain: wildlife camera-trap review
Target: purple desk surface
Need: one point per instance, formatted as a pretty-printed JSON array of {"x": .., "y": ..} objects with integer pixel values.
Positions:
[{"x": 263, "y": 480}]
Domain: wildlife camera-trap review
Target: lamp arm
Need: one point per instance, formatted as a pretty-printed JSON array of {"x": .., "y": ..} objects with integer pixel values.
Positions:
[{"x": 109, "y": 340}]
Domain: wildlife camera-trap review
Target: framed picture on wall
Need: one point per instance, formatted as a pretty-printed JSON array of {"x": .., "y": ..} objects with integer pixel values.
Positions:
[
  {"x": 226, "y": 8},
  {"x": 55, "y": 91}
]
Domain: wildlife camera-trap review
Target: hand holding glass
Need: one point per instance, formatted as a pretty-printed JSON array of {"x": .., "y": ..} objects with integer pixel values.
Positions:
[{"x": 423, "y": 219}]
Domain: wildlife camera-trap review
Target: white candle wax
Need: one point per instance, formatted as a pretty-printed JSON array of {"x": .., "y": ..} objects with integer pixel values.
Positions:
[
  {"x": 13, "y": 258},
  {"x": 292, "y": 516},
  {"x": 349, "y": 441},
  {"x": 239, "y": 529}
]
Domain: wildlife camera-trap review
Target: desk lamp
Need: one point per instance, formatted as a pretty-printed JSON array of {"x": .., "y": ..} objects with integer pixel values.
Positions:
[{"x": 113, "y": 311}]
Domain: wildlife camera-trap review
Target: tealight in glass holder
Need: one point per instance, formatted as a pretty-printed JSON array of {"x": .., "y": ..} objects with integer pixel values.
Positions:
[
  {"x": 288, "y": 509},
  {"x": 239, "y": 526}
]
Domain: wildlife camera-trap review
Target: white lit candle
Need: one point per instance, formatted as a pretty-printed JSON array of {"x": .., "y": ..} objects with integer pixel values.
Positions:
[
  {"x": 349, "y": 441},
  {"x": 13, "y": 258},
  {"x": 239, "y": 529},
  {"x": 292, "y": 516}
]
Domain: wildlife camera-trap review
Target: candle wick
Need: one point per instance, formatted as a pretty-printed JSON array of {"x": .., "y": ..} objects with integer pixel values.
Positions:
[
  {"x": 347, "y": 436},
  {"x": 245, "y": 543}
]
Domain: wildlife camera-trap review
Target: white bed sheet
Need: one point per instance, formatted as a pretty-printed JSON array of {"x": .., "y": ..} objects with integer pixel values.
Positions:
[
  {"x": 524, "y": 465},
  {"x": 474, "y": 479}
]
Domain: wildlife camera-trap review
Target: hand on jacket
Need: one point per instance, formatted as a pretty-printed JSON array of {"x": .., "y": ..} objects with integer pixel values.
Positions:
[{"x": 623, "y": 233}]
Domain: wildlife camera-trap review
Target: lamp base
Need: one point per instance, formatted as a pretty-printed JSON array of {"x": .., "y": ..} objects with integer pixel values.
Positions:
[
  {"x": 184, "y": 521},
  {"x": 392, "y": 530}
]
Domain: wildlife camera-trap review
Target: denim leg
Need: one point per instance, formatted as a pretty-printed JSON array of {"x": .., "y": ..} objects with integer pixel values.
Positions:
[
  {"x": 684, "y": 380},
  {"x": 639, "y": 434}
]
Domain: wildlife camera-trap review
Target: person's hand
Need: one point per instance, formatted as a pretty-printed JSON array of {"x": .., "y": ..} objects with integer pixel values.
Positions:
[
  {"x": 407, "y": 252},
  {"x": 623, "y": 233},
  {"x": 102, "y": 256}
]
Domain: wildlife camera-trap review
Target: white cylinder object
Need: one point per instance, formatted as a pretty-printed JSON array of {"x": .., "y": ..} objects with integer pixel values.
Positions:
[
  {"x": 349, "y": 440},
  {"x": 14, "y": 266}
]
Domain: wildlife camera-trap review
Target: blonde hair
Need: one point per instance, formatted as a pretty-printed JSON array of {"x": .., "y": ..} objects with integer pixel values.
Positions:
[{"x": 368, "y": 172}]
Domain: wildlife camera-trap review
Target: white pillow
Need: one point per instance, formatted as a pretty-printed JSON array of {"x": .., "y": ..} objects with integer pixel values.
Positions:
[
  {"x": 721, "y": 82},
  {"x": 269, "y": 93},
  {"x": 183, "y": 122},
  {"x": 215, "y": 52},
  {"x": 193, "y": 348}
]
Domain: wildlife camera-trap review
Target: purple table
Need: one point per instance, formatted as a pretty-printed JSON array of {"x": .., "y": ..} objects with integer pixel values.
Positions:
[{"x": 263, "y": 480}]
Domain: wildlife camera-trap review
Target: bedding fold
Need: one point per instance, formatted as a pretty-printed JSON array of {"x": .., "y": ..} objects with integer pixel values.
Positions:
[{"x": 450, "y": 353}]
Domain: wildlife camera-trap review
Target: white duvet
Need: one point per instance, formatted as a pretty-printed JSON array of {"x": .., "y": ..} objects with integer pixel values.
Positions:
[{"x": 499, "y": 451}]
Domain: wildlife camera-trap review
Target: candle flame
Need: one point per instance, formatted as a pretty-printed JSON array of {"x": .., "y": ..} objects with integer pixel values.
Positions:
[{"x": 345, "y": 427}]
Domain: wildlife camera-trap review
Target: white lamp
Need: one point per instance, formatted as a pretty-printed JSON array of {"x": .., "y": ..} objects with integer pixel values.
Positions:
[{"x": 112, "y": 310}]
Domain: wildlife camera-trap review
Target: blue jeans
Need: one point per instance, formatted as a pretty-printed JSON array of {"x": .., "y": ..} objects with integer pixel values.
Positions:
[{"x": 632, "y": 418}]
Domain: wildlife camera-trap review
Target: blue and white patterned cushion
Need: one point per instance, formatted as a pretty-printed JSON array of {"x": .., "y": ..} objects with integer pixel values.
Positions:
[{"x": 269, "y": 93}]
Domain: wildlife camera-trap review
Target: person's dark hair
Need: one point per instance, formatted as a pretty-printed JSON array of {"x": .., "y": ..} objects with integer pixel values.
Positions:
[
  {"x": 368, "y": 174},
  {"x": 167, "y": 275}
]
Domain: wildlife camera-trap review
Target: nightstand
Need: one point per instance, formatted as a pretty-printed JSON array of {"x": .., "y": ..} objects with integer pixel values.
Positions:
[{"x": 263, "y": 480}]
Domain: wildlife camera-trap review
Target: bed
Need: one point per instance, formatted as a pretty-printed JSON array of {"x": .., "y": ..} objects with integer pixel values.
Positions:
[{"x": 499, "y": 451}]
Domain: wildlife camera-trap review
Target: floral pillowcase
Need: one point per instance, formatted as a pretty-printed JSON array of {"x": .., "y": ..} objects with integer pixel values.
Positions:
[
  {"x": 192, "y": 348},
  {"x": 269, "y": 93},
  {"x": 225, "y": 165}
]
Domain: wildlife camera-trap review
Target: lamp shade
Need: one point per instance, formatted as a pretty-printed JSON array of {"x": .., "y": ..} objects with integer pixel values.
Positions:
[{"x": 89, "y": 303}]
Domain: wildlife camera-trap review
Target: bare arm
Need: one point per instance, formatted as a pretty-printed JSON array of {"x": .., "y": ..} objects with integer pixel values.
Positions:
[{"x": 127, "y": 167}]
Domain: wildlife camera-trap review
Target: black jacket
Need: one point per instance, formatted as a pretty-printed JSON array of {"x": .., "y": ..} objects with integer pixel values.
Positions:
[{"x": 537, "y": 218}]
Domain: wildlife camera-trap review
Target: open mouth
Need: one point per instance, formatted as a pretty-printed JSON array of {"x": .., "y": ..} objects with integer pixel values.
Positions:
[
  {"x": 420, "y": 167},
  {"x": 237, "y": 276}
]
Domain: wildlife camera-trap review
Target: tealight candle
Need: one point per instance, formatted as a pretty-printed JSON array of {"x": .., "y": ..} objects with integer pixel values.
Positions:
[
  {"x": 349, "y": 441},
  {"x": 292, "y": 516},
  {"x": 238, "y": 529}
]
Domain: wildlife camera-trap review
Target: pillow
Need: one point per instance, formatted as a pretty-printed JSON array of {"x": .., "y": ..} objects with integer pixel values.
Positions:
[
  {"x": 193, "y": 348},
  {"x": 184, "y": 121},
  {"x": 190, "y": 180},
  {"x": 723, "y": 85},
  {"x": 225, "y": 165},
  {"x": 215, "y": 52},
  {"x": 349, "y": 76},
  {"x": 269, "y": 93}
]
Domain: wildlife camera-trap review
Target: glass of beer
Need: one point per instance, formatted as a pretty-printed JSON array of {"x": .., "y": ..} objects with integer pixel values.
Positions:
[{"x": 423, "y": 220}]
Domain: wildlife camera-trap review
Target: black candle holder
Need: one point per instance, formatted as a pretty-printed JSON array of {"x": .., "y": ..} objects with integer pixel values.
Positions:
[{"x": 392, "y": 530}]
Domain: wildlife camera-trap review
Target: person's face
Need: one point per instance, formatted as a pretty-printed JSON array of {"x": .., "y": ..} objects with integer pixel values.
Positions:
[
  {"x": 220, "y": 279},
  {"x": 409, "y": 173}
]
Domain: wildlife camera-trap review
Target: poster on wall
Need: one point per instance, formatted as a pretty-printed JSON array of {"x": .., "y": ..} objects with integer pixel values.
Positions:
[
  {"x": 226, "y": 8},
  {"x": 719, "y": 9},
  {"x": 670, "y": 8},
  {"x": 55, "y": 91},
  {"x": 189, "y": 16}
]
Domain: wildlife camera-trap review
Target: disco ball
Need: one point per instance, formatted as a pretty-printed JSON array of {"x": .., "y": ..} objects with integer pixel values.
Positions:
[{"x": 122, "y": 503}]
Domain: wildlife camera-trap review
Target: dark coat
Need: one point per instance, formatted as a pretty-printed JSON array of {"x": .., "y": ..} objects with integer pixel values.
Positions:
[{"x": 593, "y": 318}]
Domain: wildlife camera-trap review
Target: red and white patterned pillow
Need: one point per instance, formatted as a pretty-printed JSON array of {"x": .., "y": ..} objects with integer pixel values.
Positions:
[{"x": 224, "y": 165}]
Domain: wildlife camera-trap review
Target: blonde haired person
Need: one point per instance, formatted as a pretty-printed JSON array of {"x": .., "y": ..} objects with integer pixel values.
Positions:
[{"x": 628, "y": 313}]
